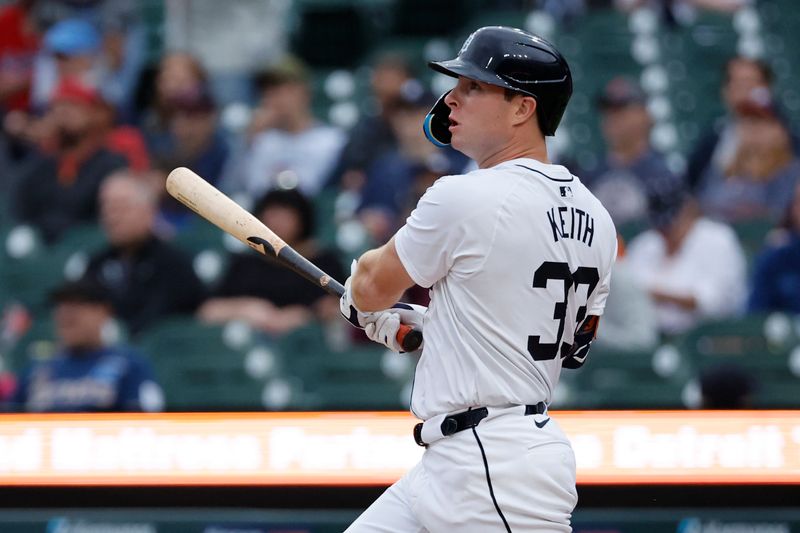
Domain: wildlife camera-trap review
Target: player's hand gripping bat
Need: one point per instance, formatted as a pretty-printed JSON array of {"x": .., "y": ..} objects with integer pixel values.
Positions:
[{"x": 204, "y": 199}]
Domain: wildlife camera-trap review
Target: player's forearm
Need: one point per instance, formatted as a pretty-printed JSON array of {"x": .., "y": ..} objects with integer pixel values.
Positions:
[{"x": 374, "y": 286}]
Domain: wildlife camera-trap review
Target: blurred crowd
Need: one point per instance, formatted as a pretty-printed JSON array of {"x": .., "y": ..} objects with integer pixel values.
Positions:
[{"x": 90, "y": 131}]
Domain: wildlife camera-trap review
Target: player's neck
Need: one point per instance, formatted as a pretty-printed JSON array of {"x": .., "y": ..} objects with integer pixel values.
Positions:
[{"x": 511, "y": 151}]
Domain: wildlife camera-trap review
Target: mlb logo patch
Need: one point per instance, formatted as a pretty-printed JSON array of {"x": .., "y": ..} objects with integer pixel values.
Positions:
[{"x": 566, "y": 191}]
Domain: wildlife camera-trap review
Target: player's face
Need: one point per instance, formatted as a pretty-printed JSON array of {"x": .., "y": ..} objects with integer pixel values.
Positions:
[{"x": 480, "y": 118}]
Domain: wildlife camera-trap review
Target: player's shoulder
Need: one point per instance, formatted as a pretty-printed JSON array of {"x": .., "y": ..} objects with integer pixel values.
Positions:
[
  {"x": 480, "y": 184},
  {"x": 463, "y": 190}
]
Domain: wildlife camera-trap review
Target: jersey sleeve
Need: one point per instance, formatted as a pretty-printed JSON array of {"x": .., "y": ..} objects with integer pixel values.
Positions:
[
  {"x": 600, "y": 295},
  {"x": 434, "y": 234}
]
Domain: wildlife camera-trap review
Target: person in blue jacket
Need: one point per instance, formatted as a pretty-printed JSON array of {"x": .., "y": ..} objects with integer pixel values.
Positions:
[
  {"x": 86, "y": 374},
  {"x": 775, "y": 283}
]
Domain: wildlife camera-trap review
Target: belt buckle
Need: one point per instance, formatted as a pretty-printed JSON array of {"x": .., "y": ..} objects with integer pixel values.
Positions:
[{"x": 449, "y": 426}]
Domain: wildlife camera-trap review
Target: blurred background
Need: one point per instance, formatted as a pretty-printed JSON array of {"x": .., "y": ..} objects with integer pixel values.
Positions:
[{"x": 683, "y": 122}]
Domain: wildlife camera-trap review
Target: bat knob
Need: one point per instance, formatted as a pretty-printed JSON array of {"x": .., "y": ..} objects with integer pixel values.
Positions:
[{"x": 409, "y": 338}]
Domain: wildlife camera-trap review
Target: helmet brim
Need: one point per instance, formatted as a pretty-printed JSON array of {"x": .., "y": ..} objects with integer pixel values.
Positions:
[{"x": 456, "y": 68}]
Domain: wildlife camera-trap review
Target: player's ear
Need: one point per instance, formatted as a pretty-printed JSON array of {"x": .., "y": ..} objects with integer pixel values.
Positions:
[{"x": 525, "y": 109}]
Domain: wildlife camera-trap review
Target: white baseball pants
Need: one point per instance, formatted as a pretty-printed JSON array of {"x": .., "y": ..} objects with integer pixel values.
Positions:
[{"x": 507, "y": 474}]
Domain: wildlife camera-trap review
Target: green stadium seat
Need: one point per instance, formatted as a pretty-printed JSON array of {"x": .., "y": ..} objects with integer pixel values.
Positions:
[
  {"x": 153, "y": 14},
  {"x": 203, "y": 367},
  {"x": 629, "y": 230},
  {"x": 765, "y": 347},
  {"x": 330, "y": 380},
  {"x": 430, "y": 17},
  {"x": 76, "y": 248},
  {"x": 363, "y": 396},
  {"x": 697, "y": 54},
  {"x": 625, "y": 380},
  {"x": 598, "y": 48},
  {"x": 752, "y": 235},
  {"x": 497, "y": 17},
  {"x": 200, "y": 235},
  {"x": 205, "y": 243},
  {"x": 319, "y": 38},
  {"x": 29, "y": 270},
  {"x": 30, "y": 279},
  {"x": 325, "y": 211},
  {"x": 39, "y": 342},
  {"x": 85, "y": 237}
]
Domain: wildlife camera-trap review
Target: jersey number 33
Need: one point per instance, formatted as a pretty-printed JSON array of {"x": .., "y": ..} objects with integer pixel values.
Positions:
[{"x": 551, "y": 270}]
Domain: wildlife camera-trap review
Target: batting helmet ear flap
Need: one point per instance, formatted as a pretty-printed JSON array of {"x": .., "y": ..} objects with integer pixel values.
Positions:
[{"x": 437, "y": 123}]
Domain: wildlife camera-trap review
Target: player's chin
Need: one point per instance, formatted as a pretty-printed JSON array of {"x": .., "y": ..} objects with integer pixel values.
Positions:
[{"x": 456, "y": 140}]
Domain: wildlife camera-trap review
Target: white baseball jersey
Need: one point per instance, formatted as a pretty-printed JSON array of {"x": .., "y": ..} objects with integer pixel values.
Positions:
[{"x": 516, "y": 255}]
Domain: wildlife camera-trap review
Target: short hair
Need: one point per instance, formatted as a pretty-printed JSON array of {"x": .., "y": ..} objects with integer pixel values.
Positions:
[
  {"x": 143, "y": 191},
  {"x": 288, "y": 70},
  {"x": 762, "y": 66},
  {"x": 394, "y": 60},
  {"x": 509, "y": 94},
  {"x": 294, "y": 200}
]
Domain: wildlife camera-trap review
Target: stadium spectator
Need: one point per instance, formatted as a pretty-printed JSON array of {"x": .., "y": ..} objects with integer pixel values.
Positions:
[
  {"x": 391, "y": 180},
  {"x": 123, "y": 57},
  {"x": 372, "y": 135},
  {"x": 692, "y": 267},
  {"x": 715, "y": 149},
  {"x": 19, "y": 44},
  {"x": 122, "y": 139},
  {"x": 148, "y": 279},
  {"x": 233, "y": 40},
  {"x": 6, "y": 163},
  {"x": 100, "y": 43},
  {"x": 289, "y": 146},
  {"x": 178, "y": 74},
  {"x": 631, "y": 167},
  {"x": 727, "y": 386},
  {"x": 194, "y": 139},
  {"x": 72, "y": 52},
  {"x": 776, "y": 273},
  {"x": 630, "y": 322},
  {"x": 758, "y": 180},
  {"x": 87, "y": 373},
  {"x": 267, "y": 295},
  {"x": 57, "y": 186}
]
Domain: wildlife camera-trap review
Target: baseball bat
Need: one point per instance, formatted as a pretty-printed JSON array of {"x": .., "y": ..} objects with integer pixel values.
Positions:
[{"x": 210, "y": 203}]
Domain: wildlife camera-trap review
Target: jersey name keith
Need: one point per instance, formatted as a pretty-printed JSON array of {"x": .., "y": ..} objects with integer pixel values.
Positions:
[{"x": 571, "y": 223}]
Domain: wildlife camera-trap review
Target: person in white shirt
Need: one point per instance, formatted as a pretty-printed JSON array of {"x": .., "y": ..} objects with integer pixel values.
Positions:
[
  {"x": 630, "y": 323},
  {"x": 288, "y": 147},
  {"x": 693, "y": 267},
  {"x": 518, "y": 256}
]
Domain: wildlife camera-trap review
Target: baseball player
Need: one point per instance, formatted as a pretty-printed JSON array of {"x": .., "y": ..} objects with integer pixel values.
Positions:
[{"x": 518, "y": 255}]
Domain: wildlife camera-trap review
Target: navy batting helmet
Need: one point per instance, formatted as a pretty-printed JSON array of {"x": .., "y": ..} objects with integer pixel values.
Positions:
[{"x": 516, "y": 60}]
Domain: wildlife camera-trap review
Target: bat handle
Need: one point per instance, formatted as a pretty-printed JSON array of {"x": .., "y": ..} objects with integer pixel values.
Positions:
[{"x": 409, "y": 338}]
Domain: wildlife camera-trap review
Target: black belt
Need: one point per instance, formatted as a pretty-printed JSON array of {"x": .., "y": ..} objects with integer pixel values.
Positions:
[{"x": 469, "y": 419}]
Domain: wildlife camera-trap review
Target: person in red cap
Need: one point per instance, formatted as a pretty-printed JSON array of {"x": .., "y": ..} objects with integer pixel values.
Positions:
[
  {"x": 58, "y": 187},
  {"x": 19, "y": 43}
]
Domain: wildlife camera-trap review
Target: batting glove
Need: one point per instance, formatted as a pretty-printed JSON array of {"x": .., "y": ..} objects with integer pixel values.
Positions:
[
  {"x": 346, "y": 305},
  {"x": 382, "y": 327}
]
